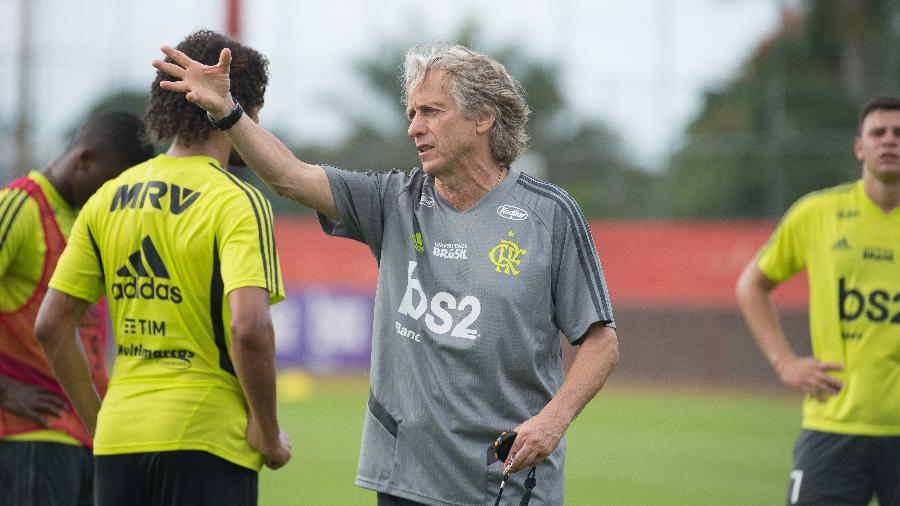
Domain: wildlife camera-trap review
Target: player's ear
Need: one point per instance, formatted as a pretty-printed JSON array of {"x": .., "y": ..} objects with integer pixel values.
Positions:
[
  {"x": 858, "y": 148},
  {"x": 484, "y": 121},
  {"x": 83, "y": 157}
]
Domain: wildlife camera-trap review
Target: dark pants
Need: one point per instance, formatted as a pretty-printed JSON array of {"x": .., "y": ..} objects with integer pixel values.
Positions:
[
  {"x": 392, "y": 500},
  {"x": 176, "y": 478},
  {"x": 844, "y": 470},
  {"x": 34, "y": 473}
]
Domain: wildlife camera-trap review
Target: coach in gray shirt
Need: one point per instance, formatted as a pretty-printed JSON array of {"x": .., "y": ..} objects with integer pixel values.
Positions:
[{"x": 480, "y": 269}]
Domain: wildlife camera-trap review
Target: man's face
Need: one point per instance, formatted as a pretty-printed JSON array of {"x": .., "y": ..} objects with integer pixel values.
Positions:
[
  {"x": 444, "y": 139},
  {"x": 878, "y": 145}
]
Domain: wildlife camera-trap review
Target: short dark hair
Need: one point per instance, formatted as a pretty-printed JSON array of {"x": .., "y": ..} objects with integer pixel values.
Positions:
[
  {"x": 170, "y": 115},
  {"x": 118, "y": 136},
  {"x": 885, "y": 103}
]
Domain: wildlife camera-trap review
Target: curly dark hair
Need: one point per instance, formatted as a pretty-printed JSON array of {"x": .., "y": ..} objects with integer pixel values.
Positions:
[{"x": 169, "y": 114}]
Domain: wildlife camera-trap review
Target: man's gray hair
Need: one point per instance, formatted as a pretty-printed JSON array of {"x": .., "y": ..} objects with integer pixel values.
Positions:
[{"x": 478, "y": 84}]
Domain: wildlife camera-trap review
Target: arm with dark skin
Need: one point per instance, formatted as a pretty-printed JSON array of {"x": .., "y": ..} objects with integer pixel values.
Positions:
[
  {"x": 253, "y": 349},
  {"x": 55, "y": 328},
  {"x": 539, "y": 436}
]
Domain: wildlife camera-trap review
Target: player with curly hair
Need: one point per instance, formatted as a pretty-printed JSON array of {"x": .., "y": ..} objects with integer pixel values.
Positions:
[{"x": 185, "y": 253}]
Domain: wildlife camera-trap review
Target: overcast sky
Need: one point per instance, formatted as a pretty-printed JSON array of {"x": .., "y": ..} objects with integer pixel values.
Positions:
[{"x": 639, "y": 65}]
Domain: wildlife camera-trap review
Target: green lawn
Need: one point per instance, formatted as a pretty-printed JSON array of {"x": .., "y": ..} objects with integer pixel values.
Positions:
[{"x": 633, "y": 445}]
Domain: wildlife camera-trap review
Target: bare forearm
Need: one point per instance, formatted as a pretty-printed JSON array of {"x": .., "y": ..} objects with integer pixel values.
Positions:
[
  {"x": 72, "y": 373},
  {"x": 55, "y": 329},
  {"x": 594, "y": 361},
  {"x": 254, "y": 363},
  {"x": 753, "y": 293}
]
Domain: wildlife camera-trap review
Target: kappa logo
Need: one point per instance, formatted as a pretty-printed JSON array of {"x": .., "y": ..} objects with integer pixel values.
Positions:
[
  {"x": 505, "y": 256},
  {"x": 148, "y": 288},
  {"x": 512, "y": 212}
]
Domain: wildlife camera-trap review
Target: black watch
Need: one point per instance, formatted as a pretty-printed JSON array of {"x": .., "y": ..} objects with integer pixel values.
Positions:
[{"x": 228, "y": 121}]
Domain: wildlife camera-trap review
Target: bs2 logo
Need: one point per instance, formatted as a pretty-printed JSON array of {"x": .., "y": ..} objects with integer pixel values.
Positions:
[
  {"x": 878, "y": 306},
  {"x": 439, "y": 320}
]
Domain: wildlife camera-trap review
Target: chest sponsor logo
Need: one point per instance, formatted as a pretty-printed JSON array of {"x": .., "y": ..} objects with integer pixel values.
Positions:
[
  {"x": 879, "y": 254},
  {"x": 444, "y": 313},
  {"x": 450, "y": 251},
  {"x": 843, "y": 214},
  {"x": 141, "y": 283},
  {"x": 426, "y": 200},
  {"x": 140, "y": 326},
  {"x": 505, "y": 256},
  {"x": 154, "y": 194},
  {"x": 512, "y": 213},
  {"x": 877, "y": 306}
]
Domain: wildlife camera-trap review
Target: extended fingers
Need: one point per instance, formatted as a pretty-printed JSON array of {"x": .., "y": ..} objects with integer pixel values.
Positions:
[
  {"x": 170, "y": 68},
  {"x": 225, "y": 59},
  {"x": 176, "y": 55},
  {"x": 49, "y": 403},
  {"x": 177, "y": 86},
  {"x": 831, "y": 366}
]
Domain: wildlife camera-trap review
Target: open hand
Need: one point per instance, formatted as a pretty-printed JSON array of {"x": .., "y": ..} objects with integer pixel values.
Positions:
[{"x": 205, "y": 85}]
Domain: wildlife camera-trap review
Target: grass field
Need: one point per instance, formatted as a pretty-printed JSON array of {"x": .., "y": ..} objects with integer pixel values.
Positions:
[{"x": 633, "y": 445}]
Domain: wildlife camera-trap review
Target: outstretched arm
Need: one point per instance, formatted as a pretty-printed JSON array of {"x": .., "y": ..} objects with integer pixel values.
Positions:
[
  {"x": 540, "y": 435},
  {"x": 55, "y": 329},
  {"x": 209, "y": 86},
  {"x": 806, "y": 374}
]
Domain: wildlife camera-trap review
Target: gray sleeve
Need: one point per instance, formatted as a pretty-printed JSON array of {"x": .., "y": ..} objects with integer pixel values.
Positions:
[
  {"x": 362, "y": 200},
  {"x": 579, "y": 287}
]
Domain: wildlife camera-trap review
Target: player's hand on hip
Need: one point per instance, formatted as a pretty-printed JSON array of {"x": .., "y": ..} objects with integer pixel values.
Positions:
[
  {"x": 537, "y": 438},
  {"x": 205, "y": 85},
  {"x": 30, "y": 402},
  {"x": 811, "y": 377}
]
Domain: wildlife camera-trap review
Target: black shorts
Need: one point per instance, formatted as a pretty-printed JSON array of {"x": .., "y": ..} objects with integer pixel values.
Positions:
[
  {"x": 176, "y": 478},
  {"x": 845, "y": 470},
  {"x": 392, "y": 500},
  {"x": 37, "y": 473}
]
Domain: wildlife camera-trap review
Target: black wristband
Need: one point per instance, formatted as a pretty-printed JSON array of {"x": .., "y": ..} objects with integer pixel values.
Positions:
[{"x": 228, "y": 121}]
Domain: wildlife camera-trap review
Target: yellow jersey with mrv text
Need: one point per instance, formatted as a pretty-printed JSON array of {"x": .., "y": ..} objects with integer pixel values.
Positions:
[
  {"x": 166, "y": 242},
  {"x": 850, "y": 249}
]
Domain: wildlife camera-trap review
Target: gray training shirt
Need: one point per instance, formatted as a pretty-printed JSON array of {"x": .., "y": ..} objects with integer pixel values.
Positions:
[{"x": 468, "y": 311}]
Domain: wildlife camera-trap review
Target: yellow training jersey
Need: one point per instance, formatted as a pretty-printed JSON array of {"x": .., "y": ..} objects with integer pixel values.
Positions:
[
  {"x": 851, "y": 251},
  {"x": 167, "y": 241},
  {"x": 22, "y": 245}
]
